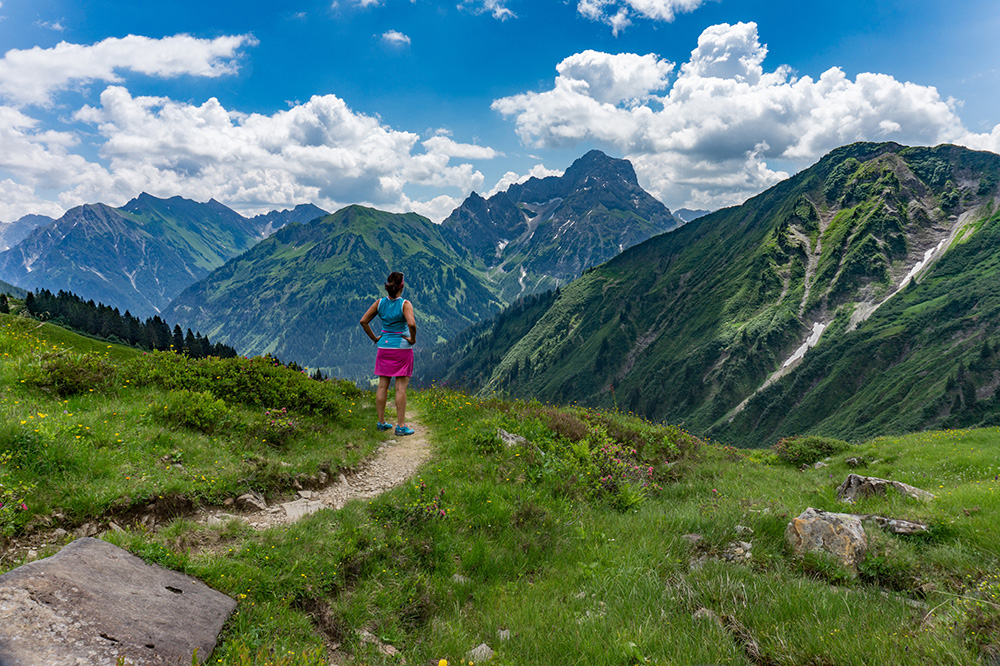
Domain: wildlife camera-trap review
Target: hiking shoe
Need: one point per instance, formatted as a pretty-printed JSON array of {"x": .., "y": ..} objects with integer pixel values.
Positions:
[
  {"x": 383, "y": 426},
  {"x": 403, "y": 430}
]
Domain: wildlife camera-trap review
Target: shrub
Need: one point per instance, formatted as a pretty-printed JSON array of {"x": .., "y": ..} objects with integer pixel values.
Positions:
[
  {"x": 256, "y": 382},
  {"x": 808, "y": 449},
  {"x": 565, "y": 424},
  {"x": 620, "y": 476},
  {"x": 197, "y": 410},
  {"x": 70, "y": 374},
  {"x": 419, "y": 507},
  {"x": 276, "y": 427}
]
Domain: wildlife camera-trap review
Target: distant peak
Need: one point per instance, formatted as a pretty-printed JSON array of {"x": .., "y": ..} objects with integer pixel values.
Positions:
[{"x": 598, "y": 164}]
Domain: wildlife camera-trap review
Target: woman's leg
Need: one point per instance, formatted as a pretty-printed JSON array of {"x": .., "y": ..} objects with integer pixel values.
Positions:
[
  {"x": 401, "y": 384},
  {"x": 381, "y": 396}
]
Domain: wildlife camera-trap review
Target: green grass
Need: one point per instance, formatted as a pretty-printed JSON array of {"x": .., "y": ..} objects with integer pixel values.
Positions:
[{"x": 575, "y": 542}]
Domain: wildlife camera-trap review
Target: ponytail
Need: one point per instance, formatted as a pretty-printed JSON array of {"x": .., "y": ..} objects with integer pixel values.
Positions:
[{"x": 394, "y": 284}]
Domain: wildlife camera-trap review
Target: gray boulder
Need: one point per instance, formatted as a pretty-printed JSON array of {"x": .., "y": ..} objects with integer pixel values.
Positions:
[
  {"x": 839, "y": 534},
  {"x": 93, "y": 602},
  {"x": 856, "y": 486}
]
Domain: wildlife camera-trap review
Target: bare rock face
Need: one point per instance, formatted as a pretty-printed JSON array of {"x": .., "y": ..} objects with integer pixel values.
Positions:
[
  {"x": 839, "y": 534},
  {"x": 93, "y": 602},
  {"x": 856, "y": 486}
]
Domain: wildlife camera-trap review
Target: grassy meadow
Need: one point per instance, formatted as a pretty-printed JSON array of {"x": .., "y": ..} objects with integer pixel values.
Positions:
[{"x": 597, "y": 539}]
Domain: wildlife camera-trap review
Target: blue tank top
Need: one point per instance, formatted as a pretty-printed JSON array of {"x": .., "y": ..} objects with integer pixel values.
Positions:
[{"x": 394, "y": 327}]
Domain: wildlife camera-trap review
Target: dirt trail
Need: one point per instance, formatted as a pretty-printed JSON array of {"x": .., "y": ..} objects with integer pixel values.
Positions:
[{"x": 393, "y": 463}]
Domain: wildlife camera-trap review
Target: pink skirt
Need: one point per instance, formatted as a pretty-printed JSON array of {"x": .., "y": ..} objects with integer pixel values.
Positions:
[{"x": 394, "y": 362}]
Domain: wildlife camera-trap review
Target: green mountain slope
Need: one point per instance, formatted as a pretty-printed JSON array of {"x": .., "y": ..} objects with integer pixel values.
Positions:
[
  {"x": 929, "y": 358},
  {"x": 11, "y": 290},
  {"x": 545, "y": 232},
  {"x": 690, "y": 324},
  {"x": 300, "y": 293}
]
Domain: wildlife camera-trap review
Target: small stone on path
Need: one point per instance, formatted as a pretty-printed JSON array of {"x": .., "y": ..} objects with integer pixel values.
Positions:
[
  {"x": 252, "y": 502},
  {"x": 301, "y": 508}
]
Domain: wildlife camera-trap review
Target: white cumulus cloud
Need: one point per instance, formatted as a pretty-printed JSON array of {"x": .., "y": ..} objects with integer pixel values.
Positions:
[
  {"x": 619, "y": 13},
  {"x": 395, "y": 38},
  {"x": 32, "y": 76},
  {"x": 51, "y": 25},
  {"x": 443, "y": 145},
  {"x": 707, "y": 139},
  {"x": 497, "y": 8}
]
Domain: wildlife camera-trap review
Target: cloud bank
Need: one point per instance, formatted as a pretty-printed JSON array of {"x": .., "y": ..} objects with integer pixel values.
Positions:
[
  {"x": 709, "y": 138},
  {"x": 320, "y": 151}
]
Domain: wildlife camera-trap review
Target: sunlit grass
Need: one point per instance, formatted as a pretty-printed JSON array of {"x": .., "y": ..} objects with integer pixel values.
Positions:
[{"x": 530, "y": 539}]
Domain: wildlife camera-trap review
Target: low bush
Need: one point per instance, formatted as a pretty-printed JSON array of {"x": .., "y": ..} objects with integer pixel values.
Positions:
[
  {"x": 68, "y": 374},
  {"x": 825, "y": 567},
  {"x": 806, "y": 450},
  {"x": 255, "y": 382},
  {"x": 486, "y": 440},
  {"x": 891, "y": 572},
  {"x": 197, "y": 410},
  {"x": 275, "y": 427}
]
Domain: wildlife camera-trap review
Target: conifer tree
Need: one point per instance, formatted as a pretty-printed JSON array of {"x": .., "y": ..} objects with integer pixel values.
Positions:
[{"x": 4, "y": 306}]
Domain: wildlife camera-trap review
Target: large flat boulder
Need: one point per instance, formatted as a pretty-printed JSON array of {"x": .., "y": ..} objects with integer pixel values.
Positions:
[{"x": 93, "y": 602}]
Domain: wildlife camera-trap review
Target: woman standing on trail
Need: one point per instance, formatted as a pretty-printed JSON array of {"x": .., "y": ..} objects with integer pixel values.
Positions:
[{"x": 395, "y": 349}]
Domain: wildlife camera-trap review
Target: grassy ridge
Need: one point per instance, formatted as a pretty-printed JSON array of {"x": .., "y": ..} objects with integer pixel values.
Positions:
[
  {"x": 101, "y": 429},
  {"x": 574, "y": 540}
]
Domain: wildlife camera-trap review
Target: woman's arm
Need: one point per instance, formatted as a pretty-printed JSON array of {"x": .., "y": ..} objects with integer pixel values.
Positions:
[
  {"x": 366, "y": 319},
  {"x": 411, "y": 322}
]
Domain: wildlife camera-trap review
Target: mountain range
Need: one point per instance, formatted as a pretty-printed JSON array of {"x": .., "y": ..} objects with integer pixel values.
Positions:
[
  {"x": 139, "y": 256},
  {"x": 300, "y": 294},
  {"x": 856, "y": 298}
]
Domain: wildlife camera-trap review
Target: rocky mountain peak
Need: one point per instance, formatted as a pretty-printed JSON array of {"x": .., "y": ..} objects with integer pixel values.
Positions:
[{"x": 546, "y": 231}]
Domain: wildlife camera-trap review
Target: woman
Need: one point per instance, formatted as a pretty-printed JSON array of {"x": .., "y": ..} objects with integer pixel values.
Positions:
[{"x": 395, "y": 350}]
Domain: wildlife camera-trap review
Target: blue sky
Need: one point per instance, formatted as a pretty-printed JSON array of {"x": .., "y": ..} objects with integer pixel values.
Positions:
[{"x": 412, "y": 104}]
